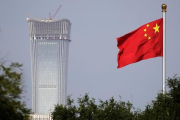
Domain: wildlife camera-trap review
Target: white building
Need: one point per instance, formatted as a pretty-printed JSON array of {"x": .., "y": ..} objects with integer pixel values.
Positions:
[{"x": 49, "y": 43}]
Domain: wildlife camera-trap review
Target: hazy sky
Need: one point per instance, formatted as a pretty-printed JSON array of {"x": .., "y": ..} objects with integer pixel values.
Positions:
[{"x": 93, "y": 51}]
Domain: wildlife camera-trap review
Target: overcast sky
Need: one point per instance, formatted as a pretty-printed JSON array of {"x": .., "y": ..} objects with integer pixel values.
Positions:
[{"x": 92, "y": 65}]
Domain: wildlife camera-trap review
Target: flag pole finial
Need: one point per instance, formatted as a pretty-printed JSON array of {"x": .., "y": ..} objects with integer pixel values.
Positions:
[{"x": 164, "y": 6}]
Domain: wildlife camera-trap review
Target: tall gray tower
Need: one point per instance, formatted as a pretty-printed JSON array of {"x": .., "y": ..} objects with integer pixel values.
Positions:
[{"x": 49, "y": 43}]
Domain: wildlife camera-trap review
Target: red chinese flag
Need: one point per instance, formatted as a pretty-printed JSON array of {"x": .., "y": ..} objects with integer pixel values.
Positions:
[{"x": 143, "y": 43}]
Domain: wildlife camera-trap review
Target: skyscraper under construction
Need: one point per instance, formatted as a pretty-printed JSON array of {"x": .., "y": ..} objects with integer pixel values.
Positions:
[{"x": 49, "y": 45}]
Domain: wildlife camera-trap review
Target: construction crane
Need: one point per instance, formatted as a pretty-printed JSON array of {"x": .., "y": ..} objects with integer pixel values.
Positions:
[{"x": 52, "y": 17}]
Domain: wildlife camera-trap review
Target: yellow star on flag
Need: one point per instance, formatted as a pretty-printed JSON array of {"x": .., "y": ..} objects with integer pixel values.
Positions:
[{"x": 156, "y": 28}]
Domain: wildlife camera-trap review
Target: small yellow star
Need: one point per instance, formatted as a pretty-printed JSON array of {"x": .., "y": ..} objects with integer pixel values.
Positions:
[
  {"x": 147, "y": 25},
  {"x": 149, "y": 38},
  {"x": 145, "y": 34},
  {"x": 145, "y": 30},
  {"x": 156, "y": 28}
]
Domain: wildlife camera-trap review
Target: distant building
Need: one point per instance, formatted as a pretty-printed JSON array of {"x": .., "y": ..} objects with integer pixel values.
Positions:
[{"x": 49, "y": 45}]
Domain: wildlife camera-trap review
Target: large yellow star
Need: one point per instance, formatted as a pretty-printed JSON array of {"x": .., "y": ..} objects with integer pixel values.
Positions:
[{"x": 156, "y": 28}]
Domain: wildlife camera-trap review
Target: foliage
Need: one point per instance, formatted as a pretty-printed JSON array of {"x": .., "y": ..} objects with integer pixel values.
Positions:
[
  {"x": 88, "y": 110},
  {"x": 11, "y": 107},
  {"x": 67, "y": 112},
  {"x": 166, "y": 106}
]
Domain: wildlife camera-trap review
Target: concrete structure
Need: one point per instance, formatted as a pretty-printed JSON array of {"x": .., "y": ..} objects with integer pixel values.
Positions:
[{"x": 49, "y": 43}]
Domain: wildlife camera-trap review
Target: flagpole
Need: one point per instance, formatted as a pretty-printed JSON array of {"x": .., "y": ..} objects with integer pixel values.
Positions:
[{"x": 164, "y": 6}]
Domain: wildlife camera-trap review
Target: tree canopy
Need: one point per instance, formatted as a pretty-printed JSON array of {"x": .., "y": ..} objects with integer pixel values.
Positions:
[
  {"x": 11, "y": 107},
  {"x": 164, "y": 107},
  {"x": 88, "y": 110}
]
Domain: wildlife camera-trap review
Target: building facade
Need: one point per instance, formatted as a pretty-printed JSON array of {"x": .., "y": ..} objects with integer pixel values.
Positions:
[
  {"x": 49, "y": 45},
  {"x": 40, "y": 117}
]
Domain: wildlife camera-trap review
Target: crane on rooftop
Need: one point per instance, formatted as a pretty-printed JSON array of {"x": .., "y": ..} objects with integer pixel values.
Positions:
[{"x": 52, "y": 17}]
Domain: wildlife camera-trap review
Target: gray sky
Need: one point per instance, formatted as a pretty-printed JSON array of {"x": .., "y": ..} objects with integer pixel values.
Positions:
[{"x": 93, "y": 51}]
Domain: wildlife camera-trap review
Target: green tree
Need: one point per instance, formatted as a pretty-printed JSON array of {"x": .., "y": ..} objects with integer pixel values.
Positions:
[
  {"x": 11, "y": 107},
  {"x": 67, "y": 112},
  {"x": 166, "y": 106},
  {"x": 88, "y": 110}
]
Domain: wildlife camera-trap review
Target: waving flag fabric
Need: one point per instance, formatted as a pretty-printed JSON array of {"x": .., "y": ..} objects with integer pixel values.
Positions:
[{"x": 143, "y": 43}]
